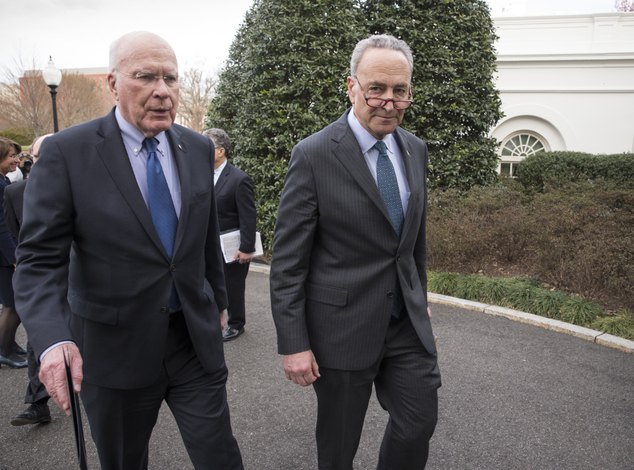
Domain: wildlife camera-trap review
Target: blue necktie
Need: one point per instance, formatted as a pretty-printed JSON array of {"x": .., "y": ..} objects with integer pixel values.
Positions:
[
  {"x": 388, "y": 187},
  {"x": 161, "y": 206}
]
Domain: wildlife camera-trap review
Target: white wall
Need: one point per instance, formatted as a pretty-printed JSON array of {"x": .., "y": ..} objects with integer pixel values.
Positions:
[{"x": 568, "y": 79}]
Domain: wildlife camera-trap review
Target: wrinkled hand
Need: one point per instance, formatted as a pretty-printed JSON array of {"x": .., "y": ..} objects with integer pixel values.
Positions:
[
  {"x": 301, "y": 368},
  {"x": 243, "y": 258},
  {"x": 223, "y": 319},
  {"x": 53, "y": 373}
]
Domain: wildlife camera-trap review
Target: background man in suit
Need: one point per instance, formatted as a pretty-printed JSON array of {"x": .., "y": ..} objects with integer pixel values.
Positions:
[
  {"x": 348, "y": 275},
  {"x": 120, "y": 268},
  {"x": 36, "y": 395},
  {"x": 236, "y": 210}
]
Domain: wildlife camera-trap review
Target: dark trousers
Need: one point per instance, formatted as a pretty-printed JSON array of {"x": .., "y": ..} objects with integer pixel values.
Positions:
[
  {"x": 121, "y": 421},
  {"x": 406, "y": 379},
  {"x": 236, "y": 276},
  {"x": 35, "y": 390}
]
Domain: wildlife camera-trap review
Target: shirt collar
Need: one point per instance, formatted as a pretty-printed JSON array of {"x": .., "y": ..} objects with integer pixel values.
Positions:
[
  {"x": 133, "y": 137},
  {"x": 365, "y": 139},
  {"x": 218, "y": 170}
]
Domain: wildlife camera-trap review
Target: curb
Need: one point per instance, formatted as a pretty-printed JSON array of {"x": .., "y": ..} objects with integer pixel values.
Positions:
[{"x": 598, "y": 337}]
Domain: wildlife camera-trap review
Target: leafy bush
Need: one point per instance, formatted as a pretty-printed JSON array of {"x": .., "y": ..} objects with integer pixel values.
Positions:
[
  {"x": 534, "y": 171},
  {"x": 22, "y": 135},
  {"x": 285, "y": 79}
]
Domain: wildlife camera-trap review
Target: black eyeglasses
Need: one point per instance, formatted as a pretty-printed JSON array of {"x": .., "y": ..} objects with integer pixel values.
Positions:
[{"x": 381, "y": 102}]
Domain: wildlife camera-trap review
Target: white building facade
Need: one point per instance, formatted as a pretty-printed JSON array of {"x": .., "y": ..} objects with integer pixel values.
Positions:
[{"x": 566, "y": 83}]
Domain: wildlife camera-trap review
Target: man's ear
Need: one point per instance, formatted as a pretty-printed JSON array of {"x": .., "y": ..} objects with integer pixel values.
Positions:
[
  {"x": 351, "y": 84},
  {"x": 112, "y": 85}
]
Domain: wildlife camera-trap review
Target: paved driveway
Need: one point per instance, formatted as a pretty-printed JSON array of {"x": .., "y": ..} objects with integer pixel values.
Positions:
[{"x": 514, "y": 396}]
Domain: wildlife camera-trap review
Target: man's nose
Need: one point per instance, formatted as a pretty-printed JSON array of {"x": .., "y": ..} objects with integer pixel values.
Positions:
[{"x": 160, "y": 88}]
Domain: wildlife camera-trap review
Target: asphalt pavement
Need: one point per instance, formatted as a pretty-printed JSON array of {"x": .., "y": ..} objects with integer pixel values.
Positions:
[{"x": 514, "y": 396}]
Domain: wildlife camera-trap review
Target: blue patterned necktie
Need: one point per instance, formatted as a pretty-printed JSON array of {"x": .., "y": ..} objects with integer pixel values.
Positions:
[
  {"x": 388, "y": 187},
  {"x": 161, "y": 206}
]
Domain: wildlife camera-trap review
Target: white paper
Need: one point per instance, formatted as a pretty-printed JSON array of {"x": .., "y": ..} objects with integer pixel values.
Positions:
[{"x": 230, "y": 243}]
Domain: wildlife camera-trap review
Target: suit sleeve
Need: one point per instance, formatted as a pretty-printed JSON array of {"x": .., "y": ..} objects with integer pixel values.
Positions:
[
  {"x": 41, "y": 278},
  {"x": 420, "y": 249},
  {"x": 297, "y": 219},
  {"x": 10, "y": 217},
  {"x": 7, "y": 243},
  {"x": 245, "y": 202}
]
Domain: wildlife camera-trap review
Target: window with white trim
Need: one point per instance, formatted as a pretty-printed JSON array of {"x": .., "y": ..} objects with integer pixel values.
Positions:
[{"x": 518, "y": 146}]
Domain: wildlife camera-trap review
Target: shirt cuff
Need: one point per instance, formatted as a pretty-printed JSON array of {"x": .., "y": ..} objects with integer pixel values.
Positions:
[{"x": 46, "y": 351}]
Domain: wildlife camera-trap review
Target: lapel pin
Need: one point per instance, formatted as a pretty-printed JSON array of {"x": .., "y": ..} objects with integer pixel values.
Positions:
[
  {"x": 179, "y": 146},
  {"x": 409, "y": 154}
]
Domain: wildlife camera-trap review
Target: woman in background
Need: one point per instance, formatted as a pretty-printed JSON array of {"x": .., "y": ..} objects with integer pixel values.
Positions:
[{"x": 9, "y": 320}]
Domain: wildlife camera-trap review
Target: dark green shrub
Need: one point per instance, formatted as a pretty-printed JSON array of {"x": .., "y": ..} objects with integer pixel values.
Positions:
[
  {"x": 534, "y": 171},
  {"x": 286, "y": 74},
  {"x": 22, "y": 135}
]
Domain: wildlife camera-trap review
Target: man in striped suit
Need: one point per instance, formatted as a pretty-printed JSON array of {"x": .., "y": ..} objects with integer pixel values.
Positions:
[{"x": 348, "y": 275}]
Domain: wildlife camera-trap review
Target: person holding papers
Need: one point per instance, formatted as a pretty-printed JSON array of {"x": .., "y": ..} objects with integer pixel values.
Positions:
[{"x": 236, "y": 211}]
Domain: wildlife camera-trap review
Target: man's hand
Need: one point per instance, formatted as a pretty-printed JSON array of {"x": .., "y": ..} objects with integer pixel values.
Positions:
[
  {"x": 53, "y": 373},
  {"x": 301, "y": 368},
  {"x": 243, "y": 257},
  {"x": 429, "y": 312},
  {"x": 223, "y": 319}
]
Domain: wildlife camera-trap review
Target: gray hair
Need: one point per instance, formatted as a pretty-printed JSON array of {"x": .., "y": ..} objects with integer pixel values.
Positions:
[
  {"x": 380, "y": 41},
  {"x": 220, "y": 139}
]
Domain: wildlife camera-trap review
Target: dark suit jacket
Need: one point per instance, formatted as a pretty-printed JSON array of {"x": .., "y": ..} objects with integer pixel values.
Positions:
[
  {"x": 336, "y": 256},
  {"x": 236, "y": 205},
  {"x": 7, "y": 241},
  {"x": 91, "y": 266},
  {"x": 12, "y": 205}
]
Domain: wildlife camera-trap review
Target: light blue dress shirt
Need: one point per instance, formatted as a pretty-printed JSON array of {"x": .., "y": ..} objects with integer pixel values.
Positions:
[
  {"x": 371, "y": 155},
  {"x": 133, "y": 140}
]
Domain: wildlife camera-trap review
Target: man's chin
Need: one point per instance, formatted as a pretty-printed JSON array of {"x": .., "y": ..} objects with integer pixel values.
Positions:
[{"x": 156, "y": 126}]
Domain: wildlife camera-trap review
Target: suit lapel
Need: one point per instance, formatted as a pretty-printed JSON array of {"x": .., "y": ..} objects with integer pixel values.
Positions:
[
  {"x": 413, "y": 179},
  {"x": 349, "y": 154},
  {"x": 114, "y": 156},
  {"x": 183, "y": 164},
  {"x": 223, "y": 178}
]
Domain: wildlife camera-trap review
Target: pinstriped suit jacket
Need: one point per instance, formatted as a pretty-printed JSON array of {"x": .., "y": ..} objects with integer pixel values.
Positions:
[{"x": 336, "y": 256}]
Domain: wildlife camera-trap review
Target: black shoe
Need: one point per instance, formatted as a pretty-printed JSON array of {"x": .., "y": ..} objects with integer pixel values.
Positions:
[
  {"x": 12, "y": 364},
  {"x": 34, "y": 414},
  {"x": 231, "y": 333},
  {"x": 19, "y": 350}
]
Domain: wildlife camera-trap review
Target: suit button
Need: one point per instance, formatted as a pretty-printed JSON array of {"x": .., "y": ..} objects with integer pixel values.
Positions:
[
  {"x": 163, "y": 309},
  {"x": 173, "y": 268},
  {"x": 398, "y": 257},
  {"x": 390, "y": 295}
]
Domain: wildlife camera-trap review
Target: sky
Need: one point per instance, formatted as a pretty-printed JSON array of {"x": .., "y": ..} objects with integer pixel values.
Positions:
[{"x": 78, "y": 33}]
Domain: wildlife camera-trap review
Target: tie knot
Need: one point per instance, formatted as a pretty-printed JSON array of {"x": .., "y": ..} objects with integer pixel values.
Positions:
[
  {"x": 150, "y": 144},
  {"x": 381, "y": 147}
]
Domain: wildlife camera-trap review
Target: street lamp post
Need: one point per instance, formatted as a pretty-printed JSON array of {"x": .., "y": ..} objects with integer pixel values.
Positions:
[{"x": 53, "y": 77}]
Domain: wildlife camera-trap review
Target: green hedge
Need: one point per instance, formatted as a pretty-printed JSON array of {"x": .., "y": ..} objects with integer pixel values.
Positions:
[
  {"x": 21, "y": 135},
  {"x": 535, "y": 170}
]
